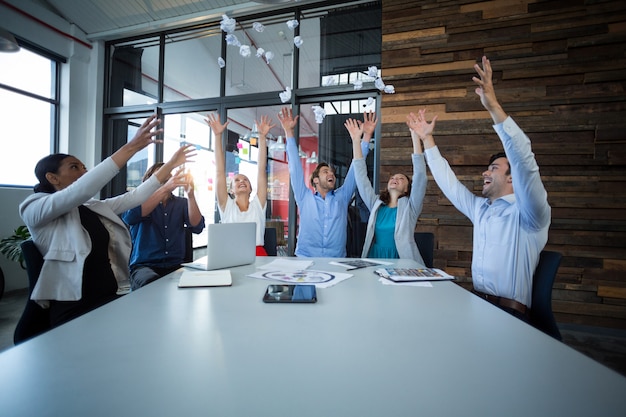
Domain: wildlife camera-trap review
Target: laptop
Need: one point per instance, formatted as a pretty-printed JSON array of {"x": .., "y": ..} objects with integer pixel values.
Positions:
[{"x": 228, "y": 245}]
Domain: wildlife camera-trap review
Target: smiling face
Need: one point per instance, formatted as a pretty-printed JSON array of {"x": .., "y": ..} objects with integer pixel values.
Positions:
[
  {"x": 497, "y": 180},
  {"x": 398, "y": 182},
  {"x": 241, "y": 185},
  {"x": 324, "y": 179},
  {"x": 69, "y": 171}
]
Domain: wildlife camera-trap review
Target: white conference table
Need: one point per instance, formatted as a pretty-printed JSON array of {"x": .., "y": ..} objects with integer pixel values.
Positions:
[{"x": 364, "y": 349}]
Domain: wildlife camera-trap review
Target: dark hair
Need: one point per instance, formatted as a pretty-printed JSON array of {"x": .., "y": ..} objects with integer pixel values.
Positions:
[
  {"x": 500, "y": 155},
  {"x": 385, "y": 197},
  {"x": 316, "y": 172},
  {"x": 154, "y": 168},
  {"x": 50, "y": 163}
]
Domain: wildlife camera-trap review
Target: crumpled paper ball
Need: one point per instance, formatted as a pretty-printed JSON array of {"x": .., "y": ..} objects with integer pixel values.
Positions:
[
  {"x": 320, "y": 113},
  {"x": 228, "y": 24},
  {"x": 285, "y": 96}
]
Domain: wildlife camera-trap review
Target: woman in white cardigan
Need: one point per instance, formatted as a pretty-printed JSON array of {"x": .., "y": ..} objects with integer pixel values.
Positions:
[
  {"x": 85, "y": 244},
  {"x": 393, "y": 213}
]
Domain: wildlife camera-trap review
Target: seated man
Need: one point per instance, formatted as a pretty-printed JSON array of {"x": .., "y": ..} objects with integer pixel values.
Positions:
[
  {"x": 157, "y": 229},
  {"x": 510, "y": 228}
]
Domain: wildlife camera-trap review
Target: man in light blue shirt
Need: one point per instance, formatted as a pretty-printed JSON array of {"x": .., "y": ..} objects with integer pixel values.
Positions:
[
  {"x": 510, "y": 229},
  {"x": 324, "y": 214}
]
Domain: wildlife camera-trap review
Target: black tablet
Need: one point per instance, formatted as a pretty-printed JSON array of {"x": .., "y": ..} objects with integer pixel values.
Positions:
[{"x": 290, "y": 293}]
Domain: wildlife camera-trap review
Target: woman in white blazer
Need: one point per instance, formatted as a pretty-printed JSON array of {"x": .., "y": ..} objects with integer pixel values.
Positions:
[
  {"x": 85, "y": 244},
  {"x": 393, "y": 213}
]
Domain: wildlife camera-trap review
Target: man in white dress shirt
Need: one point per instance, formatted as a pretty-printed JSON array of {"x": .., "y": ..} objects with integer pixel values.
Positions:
[{"x": 510, "y": 227}]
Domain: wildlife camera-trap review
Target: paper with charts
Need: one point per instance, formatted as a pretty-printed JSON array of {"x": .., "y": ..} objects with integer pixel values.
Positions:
[{"x": 321, "y": 279}]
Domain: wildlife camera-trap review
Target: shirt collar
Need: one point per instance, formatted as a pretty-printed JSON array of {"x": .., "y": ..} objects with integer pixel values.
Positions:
[{"x": 509, "y": 198}]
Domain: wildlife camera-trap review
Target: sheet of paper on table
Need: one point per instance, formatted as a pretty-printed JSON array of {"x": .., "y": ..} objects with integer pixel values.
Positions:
[{"x": 197, "y": 278}]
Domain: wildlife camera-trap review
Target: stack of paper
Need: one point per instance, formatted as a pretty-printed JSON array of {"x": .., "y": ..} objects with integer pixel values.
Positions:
[{"x": 218, "y": 278}]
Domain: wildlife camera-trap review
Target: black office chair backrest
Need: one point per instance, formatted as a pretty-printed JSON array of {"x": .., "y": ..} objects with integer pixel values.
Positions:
[
  {"x": 541, "y": 315},
  {"x": 426, "y": 245},
  {"x": 188, "y": 245},
  {"x": 271, "y": 241},
  {"x": 34, "y": 320}
]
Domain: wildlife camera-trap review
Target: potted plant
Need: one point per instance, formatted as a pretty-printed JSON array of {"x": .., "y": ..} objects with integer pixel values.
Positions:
[{"x": 10, "y": 247}]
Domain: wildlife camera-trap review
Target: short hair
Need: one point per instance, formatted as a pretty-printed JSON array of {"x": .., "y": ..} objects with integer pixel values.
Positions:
[
  {"x": 316, "y": 172},
  {"x": 50, "y": 163},
  {"x": 150, "y": 171},
  {"x": 500, "y": 155}
]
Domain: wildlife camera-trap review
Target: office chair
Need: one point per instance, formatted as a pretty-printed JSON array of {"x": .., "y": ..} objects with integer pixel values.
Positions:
[
  {"x": 270, "y": 241},
  {"x": 541, "y": 315},
  {"x": 34, "y": 320},
  {"x": 188, "y": 245},
  {"x": 426, "y": 245}
]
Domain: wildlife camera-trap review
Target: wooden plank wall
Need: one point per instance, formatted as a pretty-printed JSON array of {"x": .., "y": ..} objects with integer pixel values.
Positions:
[{"x": 560, "y": 72}]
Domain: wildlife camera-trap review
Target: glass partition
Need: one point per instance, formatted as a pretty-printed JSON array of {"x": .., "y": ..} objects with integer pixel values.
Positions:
[
  {"x": 134, "y": 73},
  {"x": 337, "y": 45},
  {"x": 259, "y": 56},
  {"x": 242, "y": 150},
  {"x": 191, "y": 65},
  {"x": 190, "y": 128},
  {"x": 344, "y": 43}
]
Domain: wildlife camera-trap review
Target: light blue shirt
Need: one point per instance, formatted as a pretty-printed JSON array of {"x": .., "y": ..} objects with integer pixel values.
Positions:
[
  {"x": 509, "y": 233},
  {"x": 323, "y": 221}
]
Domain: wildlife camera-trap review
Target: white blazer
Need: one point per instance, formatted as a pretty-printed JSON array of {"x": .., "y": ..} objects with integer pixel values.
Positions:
[{"x": 54, "y": 223}]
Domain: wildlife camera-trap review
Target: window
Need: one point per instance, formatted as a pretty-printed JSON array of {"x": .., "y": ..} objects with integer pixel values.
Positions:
[
  {"x": 29, "y": 107},
  {"x": 177, "y": 75}
]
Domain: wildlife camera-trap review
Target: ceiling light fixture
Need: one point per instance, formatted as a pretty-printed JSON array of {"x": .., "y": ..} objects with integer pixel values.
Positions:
[
  {"x": 8, "y": 42},
  {"x": 279, "y": 146}
]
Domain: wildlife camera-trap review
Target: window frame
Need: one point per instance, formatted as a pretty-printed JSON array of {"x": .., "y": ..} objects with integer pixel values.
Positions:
[
  {"x": 225, "y": 102},
  {"x": 54, "y": 101}
]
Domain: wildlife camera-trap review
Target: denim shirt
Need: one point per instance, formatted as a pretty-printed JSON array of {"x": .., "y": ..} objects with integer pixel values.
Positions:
[
  {"x": 323, "y": 221},
  {"x": 159, "y": 238}
]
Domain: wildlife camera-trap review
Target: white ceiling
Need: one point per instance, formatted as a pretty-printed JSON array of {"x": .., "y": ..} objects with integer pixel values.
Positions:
[
  {"x": 108, "y": 19},
  {"x": 116, "y": 19}
]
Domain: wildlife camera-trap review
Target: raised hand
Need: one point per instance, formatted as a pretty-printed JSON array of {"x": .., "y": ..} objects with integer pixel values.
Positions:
[
  {"x": 183, "y": 155},
  {"x": 369, "y": 125},
  {"x": 175, "y": 181},
  {"x": 355, "y": 128},
  {"x": 421, "y": 130},
  {"x": 418, "y": 124},
  {"x": 213, "y": 120},
  {"x": 264, "y": 126},
  {"x": 486, "y": 92},
  {"x": 180, "y": 157},
  {"x": 287, "y": 121},
  {"x": 145, "y": 135}
]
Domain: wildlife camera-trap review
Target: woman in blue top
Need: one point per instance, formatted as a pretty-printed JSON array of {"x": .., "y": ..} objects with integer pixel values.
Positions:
[{"x": 393, "y": 213}]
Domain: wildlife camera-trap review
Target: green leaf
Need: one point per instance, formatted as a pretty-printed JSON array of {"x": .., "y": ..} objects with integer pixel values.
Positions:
[{"x": 10, "y": 246}]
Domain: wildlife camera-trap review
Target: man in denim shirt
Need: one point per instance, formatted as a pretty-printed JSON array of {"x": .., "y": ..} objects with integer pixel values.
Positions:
[{"x": 323, "y": 214}]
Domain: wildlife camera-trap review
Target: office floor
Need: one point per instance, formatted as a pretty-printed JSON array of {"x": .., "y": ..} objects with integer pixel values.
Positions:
[{"x": 607, "y": 346}]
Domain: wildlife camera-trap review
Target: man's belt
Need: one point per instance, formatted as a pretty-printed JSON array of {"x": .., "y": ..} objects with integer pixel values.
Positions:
[{"x": 503, "y": 302}]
